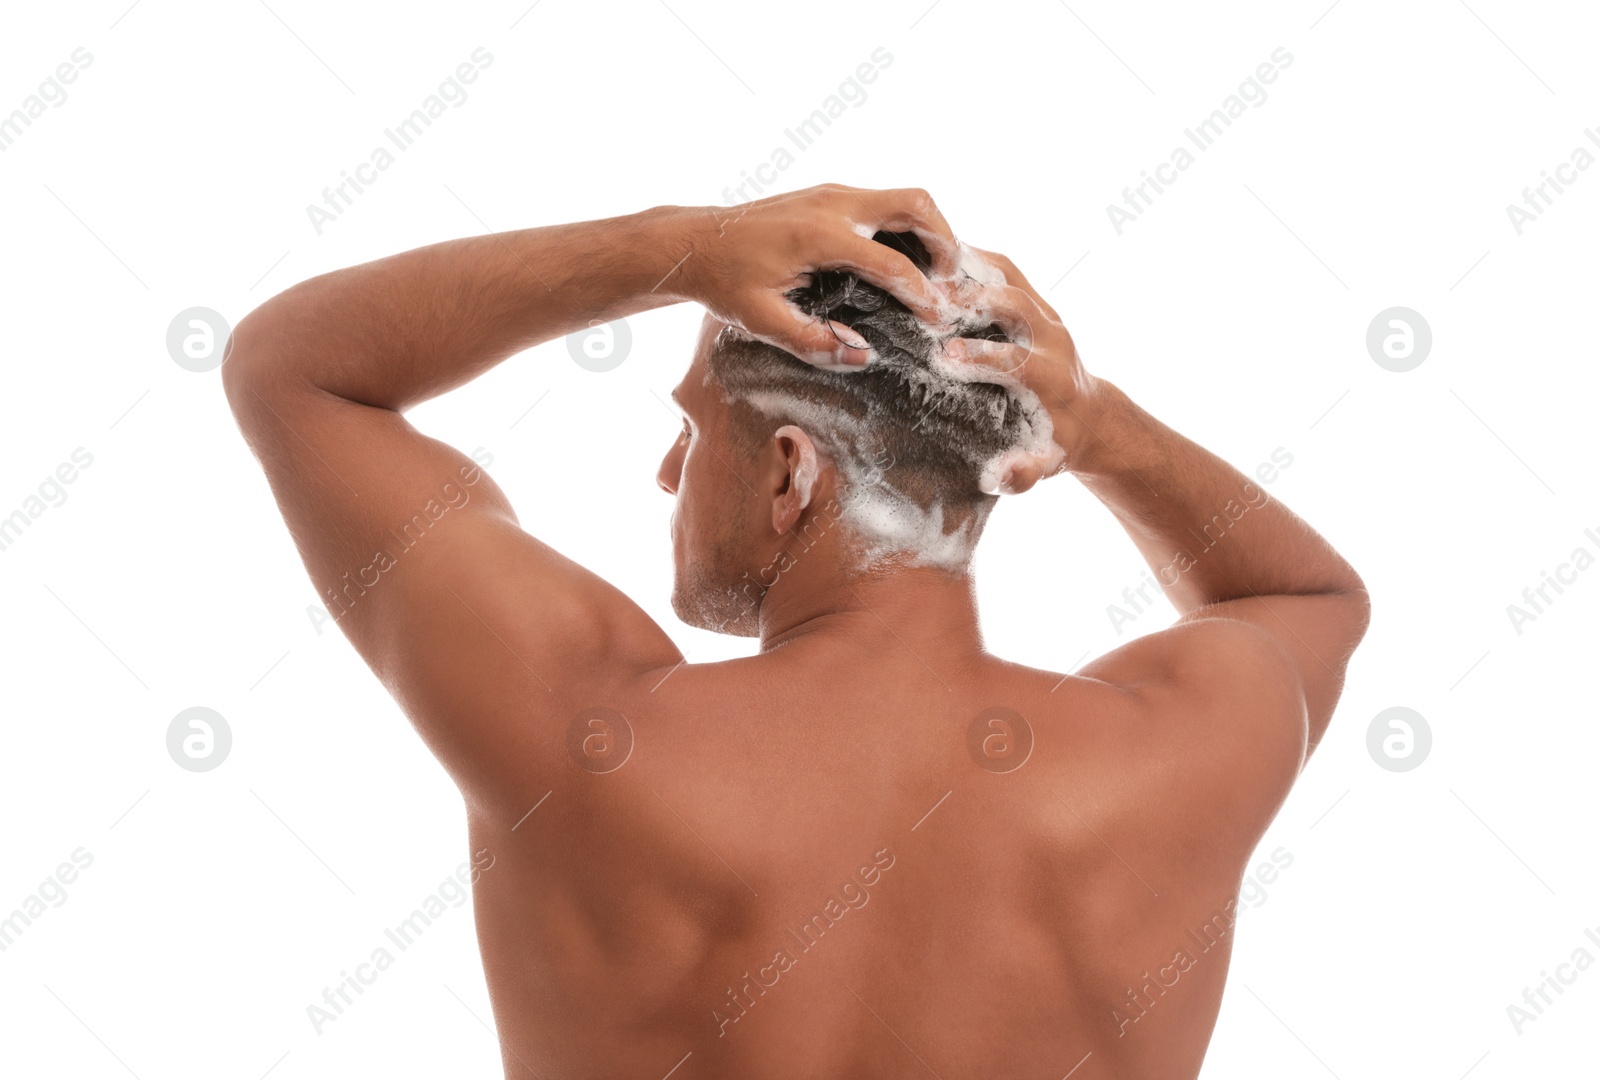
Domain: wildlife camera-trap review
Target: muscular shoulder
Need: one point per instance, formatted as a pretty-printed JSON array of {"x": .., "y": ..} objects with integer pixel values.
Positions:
[
  {"x": 1217, "y": 719},
  {"x": 1208, "y": 668}
]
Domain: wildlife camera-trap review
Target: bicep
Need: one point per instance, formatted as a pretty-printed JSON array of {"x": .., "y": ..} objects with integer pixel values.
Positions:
[{"x": 477, "y": 628}]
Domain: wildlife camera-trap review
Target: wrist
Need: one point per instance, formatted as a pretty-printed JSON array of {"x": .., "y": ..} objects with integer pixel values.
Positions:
[
  {"x": 1086, "y": 426},
  {"x": 679, "y": 237}
]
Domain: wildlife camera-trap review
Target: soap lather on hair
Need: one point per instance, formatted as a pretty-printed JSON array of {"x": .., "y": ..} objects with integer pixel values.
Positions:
[{"x": 945, "y": 430}]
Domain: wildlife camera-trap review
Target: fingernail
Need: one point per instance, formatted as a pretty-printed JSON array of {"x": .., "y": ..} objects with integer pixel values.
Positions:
[
  {"x": 846, "y": 360},
  {"x": 850, "y": 337}
]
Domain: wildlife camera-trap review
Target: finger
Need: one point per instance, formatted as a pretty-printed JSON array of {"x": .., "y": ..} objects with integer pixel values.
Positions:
[
  {"x": 826, "y": 344},
  {"x": 1021, "y": 476},
  {"x": 1015, "y": 278},
  {"x": 913, "y": 210},
  {"x": 1001, "y": 357},
  {"x": 1012, "y": 309},
  {"x": 1011, "y": 473},
  {"x": 1007, "y": 268},
  {"x": 896, "y": 274}
]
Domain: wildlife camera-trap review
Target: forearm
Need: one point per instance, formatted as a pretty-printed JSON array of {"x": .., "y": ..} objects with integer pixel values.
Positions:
[
  {"x": 405, "y": 328},
  {"x": 1208, "y": 532}
]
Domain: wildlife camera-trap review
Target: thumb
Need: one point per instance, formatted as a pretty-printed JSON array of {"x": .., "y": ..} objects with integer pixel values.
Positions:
[
  {"x": 822, "y": 342},
  {"x": 1013, "y": 473}
]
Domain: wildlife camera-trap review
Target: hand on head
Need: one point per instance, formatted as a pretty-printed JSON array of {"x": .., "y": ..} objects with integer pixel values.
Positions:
[
  {"x": 744, "y": 270},
  {"x": 1039, "y": 355}
]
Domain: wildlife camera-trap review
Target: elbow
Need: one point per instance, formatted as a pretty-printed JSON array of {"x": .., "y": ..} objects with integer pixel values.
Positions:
[
  {"x": 1358, "y": 603},
  {"x": 249, "y": 358},
  {"x": 239, "y": 375},
  {"x": 232, "y": 370},
  {"x": 1360, "y": 597}
]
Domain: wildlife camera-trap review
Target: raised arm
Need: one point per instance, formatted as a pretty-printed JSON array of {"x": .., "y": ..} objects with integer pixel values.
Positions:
[
  {"x": 477, "y": 628},
  {"x": 1222, "y": 549},
  {"x": 1269, "y": 612}
]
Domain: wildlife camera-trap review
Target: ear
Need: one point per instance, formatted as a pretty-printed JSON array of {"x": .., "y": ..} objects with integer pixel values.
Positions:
[{"x": 799, "y": 456}]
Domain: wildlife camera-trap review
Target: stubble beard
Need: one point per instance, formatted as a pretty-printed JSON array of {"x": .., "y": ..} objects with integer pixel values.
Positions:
[{"x": 710, "y": 594}]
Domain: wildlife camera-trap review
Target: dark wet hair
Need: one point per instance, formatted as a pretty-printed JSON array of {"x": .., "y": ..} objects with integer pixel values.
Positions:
[{"x": 936, "y": 432}]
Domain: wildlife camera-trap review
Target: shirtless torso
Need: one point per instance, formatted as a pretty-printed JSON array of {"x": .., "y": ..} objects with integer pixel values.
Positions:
[
  {"x": 828, "y": 884},
  {"x": 871, "y": 850}
]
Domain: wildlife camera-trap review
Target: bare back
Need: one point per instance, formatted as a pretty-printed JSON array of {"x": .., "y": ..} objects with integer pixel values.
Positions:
[{"x": 786, "y": 866}]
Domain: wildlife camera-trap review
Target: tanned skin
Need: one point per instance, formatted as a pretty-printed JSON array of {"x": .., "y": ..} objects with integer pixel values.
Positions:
[{"x": 1017, "y": 923}]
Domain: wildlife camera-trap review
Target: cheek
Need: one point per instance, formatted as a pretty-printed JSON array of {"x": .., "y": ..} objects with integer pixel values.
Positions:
[
  {"x": 689, "y": 508},
  {"x": 706, "y": 495},
  {"x": 700, "y": 471}
]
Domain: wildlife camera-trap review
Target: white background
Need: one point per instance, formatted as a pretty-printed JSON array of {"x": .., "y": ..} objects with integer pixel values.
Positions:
[{"x": 1377, "y": 172}]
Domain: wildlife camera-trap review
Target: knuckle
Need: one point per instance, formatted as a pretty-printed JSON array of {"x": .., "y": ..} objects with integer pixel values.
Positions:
[{"x": 920, "y": 201}]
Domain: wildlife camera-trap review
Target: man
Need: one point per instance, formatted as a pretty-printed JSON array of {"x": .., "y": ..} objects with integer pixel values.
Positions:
[{"x": 872, "y": 849}]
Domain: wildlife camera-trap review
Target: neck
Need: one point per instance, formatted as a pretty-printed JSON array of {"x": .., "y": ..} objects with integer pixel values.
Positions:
[{"x": 930, "y": 612}]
